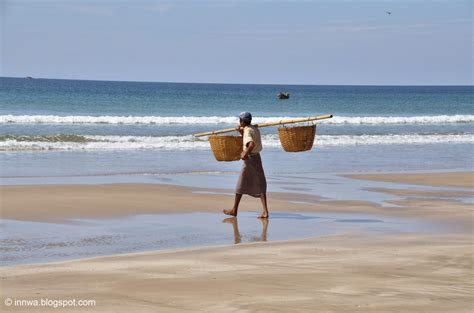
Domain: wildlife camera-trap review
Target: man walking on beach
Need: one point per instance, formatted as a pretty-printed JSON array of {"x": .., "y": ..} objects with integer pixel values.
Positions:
[{"x": 252, "y": 179}]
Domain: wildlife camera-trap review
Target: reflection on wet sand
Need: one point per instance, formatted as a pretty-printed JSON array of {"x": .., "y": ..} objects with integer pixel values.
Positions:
[
  {"x": 235, "y": 226},
  {"x": 25, "y": 242}
]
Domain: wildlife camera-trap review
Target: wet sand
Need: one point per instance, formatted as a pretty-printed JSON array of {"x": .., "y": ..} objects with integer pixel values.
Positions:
[
  {"x": 58, "y": 202},
  {"x": 349, "y": 272},
  {"x": 330, "y": 274},
  {"x": 448, "y": 179}
]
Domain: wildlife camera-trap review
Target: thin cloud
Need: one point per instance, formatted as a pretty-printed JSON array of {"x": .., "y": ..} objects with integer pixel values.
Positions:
[
  {"x": 337, "y": 27},
  {"x": 160, "y": 7},
  {"x": 90, "y": 10}
]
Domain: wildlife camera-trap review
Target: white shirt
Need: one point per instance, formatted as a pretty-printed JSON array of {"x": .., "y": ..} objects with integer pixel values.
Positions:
[{"x": 252, "y": 133}]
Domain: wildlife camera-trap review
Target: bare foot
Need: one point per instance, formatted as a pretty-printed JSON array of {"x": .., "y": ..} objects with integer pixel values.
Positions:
[
  {"x": 230, "y": 212},
  {"x": 263, "y": 215}
]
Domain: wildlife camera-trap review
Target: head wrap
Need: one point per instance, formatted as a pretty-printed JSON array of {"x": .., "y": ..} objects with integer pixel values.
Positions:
[{"x": 246, "y": 117}]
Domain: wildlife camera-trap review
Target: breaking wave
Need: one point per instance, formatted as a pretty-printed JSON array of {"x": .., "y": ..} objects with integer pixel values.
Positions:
[
  {"x": 65, "y": 142},
  {"x": 201, "y": 120}
]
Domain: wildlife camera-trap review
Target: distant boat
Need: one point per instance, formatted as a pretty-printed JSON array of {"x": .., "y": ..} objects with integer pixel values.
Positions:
[
  {"x": 28, "y": 77},
  {"x": 283, "y": 95}
]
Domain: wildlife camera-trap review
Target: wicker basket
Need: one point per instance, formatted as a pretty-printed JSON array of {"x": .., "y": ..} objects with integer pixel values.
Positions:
[
  {"x": 296, "y": 139},
  {"x": 226, "y": 148}
]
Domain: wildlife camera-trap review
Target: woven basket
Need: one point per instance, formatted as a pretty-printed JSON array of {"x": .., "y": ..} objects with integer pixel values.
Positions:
[
  {"x": 226, "y": 148},
  {"x": 296, "y": 139}
]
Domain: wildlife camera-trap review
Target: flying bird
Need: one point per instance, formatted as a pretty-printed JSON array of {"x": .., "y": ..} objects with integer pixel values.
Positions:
[{"x": 388, "y": 12}]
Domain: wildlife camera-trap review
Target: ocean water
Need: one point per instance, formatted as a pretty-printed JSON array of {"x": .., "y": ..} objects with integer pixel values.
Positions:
[{"x": 74, "y": 128}]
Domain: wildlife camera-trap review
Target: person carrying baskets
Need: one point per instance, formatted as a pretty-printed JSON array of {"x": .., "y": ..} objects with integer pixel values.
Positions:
[{"x": 252, "y": 179}]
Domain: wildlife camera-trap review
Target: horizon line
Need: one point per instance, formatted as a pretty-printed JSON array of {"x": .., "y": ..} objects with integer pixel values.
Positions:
[{"x": 227, "y": 83}]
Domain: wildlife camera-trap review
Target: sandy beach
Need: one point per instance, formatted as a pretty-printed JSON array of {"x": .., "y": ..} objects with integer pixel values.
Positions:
[
  {"x": 349, "y": 272},
  {"x": 130, "y": 131}
]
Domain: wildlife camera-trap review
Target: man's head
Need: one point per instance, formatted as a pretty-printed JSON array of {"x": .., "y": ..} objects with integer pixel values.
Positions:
[{"x": 245, "y": 118}]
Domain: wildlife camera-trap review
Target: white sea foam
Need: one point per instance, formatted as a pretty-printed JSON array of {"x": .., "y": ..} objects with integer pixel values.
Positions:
[
  {"x": 98, "y": 143},
  {"x": 203, "y": 120}
]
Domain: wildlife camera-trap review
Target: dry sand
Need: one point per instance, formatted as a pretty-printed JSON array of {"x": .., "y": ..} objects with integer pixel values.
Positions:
[{"x": 344, "y": 273}]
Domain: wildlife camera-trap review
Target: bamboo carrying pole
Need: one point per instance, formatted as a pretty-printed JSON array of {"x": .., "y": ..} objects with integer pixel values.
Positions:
[{"x": 292, "y": 121}]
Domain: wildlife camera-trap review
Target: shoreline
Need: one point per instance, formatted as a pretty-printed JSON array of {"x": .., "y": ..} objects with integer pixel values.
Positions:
[
  {"x": 346, "y": 272},
  {"x": 56, "y": 203}
]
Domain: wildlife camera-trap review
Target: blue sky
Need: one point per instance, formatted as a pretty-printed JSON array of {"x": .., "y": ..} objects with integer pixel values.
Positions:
[{"x": 284, "y": 42}]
